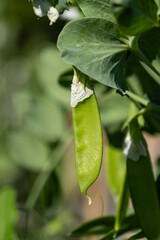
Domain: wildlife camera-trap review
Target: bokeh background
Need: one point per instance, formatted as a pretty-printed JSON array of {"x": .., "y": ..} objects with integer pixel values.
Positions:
[{"x": 39, "y": 194}]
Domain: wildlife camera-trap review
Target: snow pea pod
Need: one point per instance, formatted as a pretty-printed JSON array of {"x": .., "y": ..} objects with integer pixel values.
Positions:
[
  {"x": 141, "y": 184},
  {"x": 87, "y": 137}
]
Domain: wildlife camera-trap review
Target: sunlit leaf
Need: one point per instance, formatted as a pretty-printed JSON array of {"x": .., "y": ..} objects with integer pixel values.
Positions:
[
  {"x": 97, "y": 9},
  {"x": 91, "y": 45}
]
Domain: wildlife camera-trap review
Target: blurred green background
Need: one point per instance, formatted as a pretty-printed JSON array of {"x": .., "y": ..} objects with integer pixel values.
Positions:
[{"x": 35, "y": 128}]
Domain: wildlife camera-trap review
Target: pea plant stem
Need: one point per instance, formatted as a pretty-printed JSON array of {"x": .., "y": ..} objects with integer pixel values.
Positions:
[
  {"x": 122, "y": 203},
  {"x": 145, "y": 102},
  {"x": 137, "y": 98}
]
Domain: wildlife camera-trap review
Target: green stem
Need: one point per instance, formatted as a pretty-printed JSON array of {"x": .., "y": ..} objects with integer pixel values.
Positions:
[
  {"x": 36, "y": 189},
  {"x": 137, "y": 98},
  {"x": 122, "y": 203},
  {"x": 48, "y": 168},
  {"x": 147, "y": 103}
]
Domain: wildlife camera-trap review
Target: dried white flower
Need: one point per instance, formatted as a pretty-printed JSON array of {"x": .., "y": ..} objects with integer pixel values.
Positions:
[
  {"x": 78, "y": 93},
  {"x": 133, "y": 150},
  {"x": 53, "y": 15},
  {"x": 43, "y": 8}
]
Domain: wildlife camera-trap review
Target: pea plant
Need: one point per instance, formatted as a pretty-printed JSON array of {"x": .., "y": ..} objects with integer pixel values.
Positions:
[{"x": 114, "y": 49}]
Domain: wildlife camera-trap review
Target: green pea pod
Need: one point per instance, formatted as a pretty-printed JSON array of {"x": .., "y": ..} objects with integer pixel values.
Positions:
[
  {"x": 141, "y": 183},
  {"x": 87, "y": 138}
]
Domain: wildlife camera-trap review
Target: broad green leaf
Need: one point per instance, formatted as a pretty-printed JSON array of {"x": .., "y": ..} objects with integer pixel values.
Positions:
[
  {"x": 39, "y": 114},
  {"x": 129, "y": 224},
  {"x": 141, "y": 183},
  {"x": 8, "y": 214},
  {"x": 61, "y": 5},
  {"x": 27, "y": 150},
  {"x": 91, "y": 45},
  {"x": 49, "y": 65},
  {"x": 135, "y": 16},
  {"x": 104, "y": 225},
  {"x": 138, "y": 235},
  {"x": 94, "y": 227},
  {"x": 114, "y": 169},
  {"x": 97, "y": 9}
]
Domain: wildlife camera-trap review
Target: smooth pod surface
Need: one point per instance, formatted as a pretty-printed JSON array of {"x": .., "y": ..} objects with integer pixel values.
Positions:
[
  {"x": 144, "y": 196},
  {"x": 88, "y": 141}
]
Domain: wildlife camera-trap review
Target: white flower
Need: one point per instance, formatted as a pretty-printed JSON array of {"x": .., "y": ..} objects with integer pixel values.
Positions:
[
  {"x": 43, "y": 8},
  {"x": 53, "y": 15}
]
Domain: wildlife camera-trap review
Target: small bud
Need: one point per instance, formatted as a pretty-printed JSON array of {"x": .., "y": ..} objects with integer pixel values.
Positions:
[{"x": 53, "y": 15}]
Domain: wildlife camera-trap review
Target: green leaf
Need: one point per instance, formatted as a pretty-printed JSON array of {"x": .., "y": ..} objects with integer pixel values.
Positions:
[
  {"x": 61, "y": 5},
  {"x": 104, "y": 225},
  {"x": 91, "y": 45},
  {"x": 97, "y": 9},
  {"x": 8, "y": 213},
  {"x": 26, "y": 150},
  {"x": 48, "y": 66},
  {"x": 40, "y": 115},
  {"x": 95, "y": 227},
  {"x": 135, "y": 16},
  {"x": 130, "y": 223},
  {"x": 138, "y": 235},
  {"x": 114, "y": 169}
]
